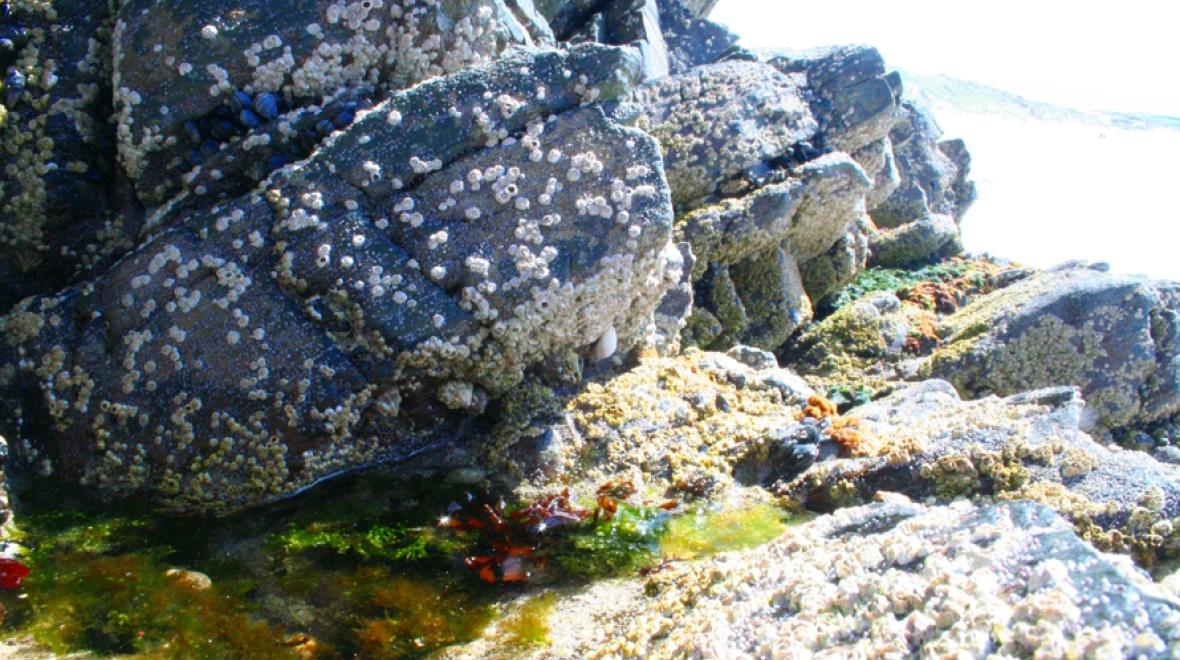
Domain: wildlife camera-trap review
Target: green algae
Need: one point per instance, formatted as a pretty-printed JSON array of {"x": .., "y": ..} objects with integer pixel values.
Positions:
[
  {"x": 528, "y": 625},
  {"x": 870, "y": 280},
  {"x": 624, "y": 544},
  {"x": 356, "y": 568},
  {"x": 704, "y": 531}
]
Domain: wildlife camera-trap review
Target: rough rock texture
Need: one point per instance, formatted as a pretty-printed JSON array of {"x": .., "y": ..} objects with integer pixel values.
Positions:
[
  {"x": 417, "y": 263},
  {"x": 686, "y": 425},
  {"x": 931, "y": 197},
  {"x": 885, "y": 579},
  {"x": 58, "y": 149},
  {"x": 748, "y": 249},
  {"x": 720, "y": 123},
  {"x": 176, "y": 64},
  {"x": 1115, "y": 337},
  {"x": 927, "y": 442}
]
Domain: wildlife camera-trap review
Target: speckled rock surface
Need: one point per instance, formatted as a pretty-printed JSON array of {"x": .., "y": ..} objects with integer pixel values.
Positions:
[
  {"x": 892, "y": 578},
  {"x": 929, "y": 443},
  {"x": 1112, "y": 336},
  {"x": 719, "y": 124},
  {"x": 58, "y": 177},
  {"x": 177, "y": 64},
  {"x": 358, "y": 303},
  {"x": 679, "y": 426}
]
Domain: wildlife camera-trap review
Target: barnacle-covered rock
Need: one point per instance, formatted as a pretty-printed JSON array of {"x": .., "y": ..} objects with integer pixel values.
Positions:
[
  {"x": 57, "y": 145},
  {"x": 719, "y": 124},
  {"x": 854, "y": 97},
  {"x": 1028, "y": 446},
  {"x": 1112, "y": 336},
  {"x": 359, "y": 303},
  {"x": 186, "y": 73},
  {"x": 893, "y": 578}
]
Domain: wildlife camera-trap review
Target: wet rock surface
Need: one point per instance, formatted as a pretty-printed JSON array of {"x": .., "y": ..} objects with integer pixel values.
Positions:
[{"x": 893, "y": 577}]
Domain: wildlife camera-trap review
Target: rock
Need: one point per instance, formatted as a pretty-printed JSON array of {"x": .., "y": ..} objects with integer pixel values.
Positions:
[
  {"x": 933, "y": 175},
  {"x": 720, "y": 122},
  {"x": 59, "y": 179},
  {"x": 856, "y": 100},
  {"x": 884, "y": 579},
  {"x": 915, "y": 242},
  {"x": 749, "y": 248},
  {"x": 191, "y": 580},
  {"x": 1112, "y": 336},
  {"x": 929, "y": 443},
  {"x": 685, "y": 425},
  {"x": 692, "y": 40},
  {"x": 178, "y": 62},
  {"x": 337, "y": 315},
  {"x": 826, "y": 273}
]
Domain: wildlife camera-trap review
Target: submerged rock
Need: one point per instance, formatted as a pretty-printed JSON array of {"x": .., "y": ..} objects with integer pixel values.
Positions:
[{"x": 891, "y": 578}]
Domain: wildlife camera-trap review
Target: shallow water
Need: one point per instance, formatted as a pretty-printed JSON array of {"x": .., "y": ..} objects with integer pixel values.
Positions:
[{"x": 357, "y": 567}]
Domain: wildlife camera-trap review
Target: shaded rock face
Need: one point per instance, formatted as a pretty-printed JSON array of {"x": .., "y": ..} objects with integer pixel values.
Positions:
[
  {"x": 1112, "y": 336},
  {"x": 358, "y": 303},
  {"x": 884, "y": 579},
  {"x": 59, "y": 174}
]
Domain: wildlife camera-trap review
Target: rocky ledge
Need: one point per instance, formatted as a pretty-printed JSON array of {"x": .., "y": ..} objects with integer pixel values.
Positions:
[{"x": 551, "y": 245}]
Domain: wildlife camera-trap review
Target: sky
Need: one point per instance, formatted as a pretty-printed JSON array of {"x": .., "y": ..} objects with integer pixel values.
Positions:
[{"x": 1083, "y": 54}]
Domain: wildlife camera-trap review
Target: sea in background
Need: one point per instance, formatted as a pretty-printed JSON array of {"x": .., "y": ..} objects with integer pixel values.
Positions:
[{"x": 1057, "y": 184}]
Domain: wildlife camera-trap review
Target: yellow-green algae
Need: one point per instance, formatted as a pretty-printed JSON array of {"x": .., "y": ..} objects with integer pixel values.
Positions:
[
  {"x": 356, "y": 568},
  {"x": 704, "y": 531},
  {"x": 529, "y": 624}
]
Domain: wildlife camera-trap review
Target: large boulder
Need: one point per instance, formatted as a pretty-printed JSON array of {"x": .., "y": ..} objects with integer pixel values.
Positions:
[
  {"x": 886, "y": 579},
  {"x": 357, "y": 304},
  {"x": 1115, "y": 337}
]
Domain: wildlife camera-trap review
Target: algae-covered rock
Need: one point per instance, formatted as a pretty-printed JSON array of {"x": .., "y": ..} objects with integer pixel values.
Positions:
[
  {"x": 415, "y": 265},
  {"x": 687, "y": 425},
  {"x": 1106, "y": 334},
  {"x": 890, "y": 578},
  {"x": 1028, "y": 446}
]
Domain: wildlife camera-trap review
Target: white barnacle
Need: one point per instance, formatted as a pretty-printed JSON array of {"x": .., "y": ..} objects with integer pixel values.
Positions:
[
  {"x": 606, "y": 344},
  {"x": 209, "y": 32}
]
